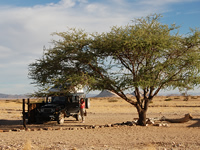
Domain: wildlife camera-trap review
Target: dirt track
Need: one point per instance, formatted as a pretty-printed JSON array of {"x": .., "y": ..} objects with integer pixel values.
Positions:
[{"x": 74, "y": 135}]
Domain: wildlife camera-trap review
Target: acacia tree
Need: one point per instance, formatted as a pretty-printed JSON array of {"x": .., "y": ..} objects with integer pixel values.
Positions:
[{"x": 144, "y": 56}]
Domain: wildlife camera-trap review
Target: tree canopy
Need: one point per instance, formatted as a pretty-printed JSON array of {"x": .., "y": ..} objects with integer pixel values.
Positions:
[{"x": 145, "y": 55}]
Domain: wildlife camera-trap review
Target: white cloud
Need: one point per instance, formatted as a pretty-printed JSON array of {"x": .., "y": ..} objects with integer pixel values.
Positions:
[
  {"x": 83, "y": 1},
  {"x": 163, "y": 2},
  {"x": 5, "y": 52},
  {"x": 67, "y": 3},
  {"x": 25, "y": 30}
]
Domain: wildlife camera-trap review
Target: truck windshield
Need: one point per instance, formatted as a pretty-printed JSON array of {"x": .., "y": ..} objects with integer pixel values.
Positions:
[
  {"x": 58, "y": 99},
  {"x": 65, "y": 99}
]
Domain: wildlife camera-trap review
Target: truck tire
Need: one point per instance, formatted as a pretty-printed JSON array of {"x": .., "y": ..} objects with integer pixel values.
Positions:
[
  {"x": 60, "y": 118},
  {"x": 38, "y": 119},
  {"x": 87, "y": 103},
  {"x": 78, "y": 117}
]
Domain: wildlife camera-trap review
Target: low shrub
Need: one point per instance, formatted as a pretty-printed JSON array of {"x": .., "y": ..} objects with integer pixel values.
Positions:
[
  {"x": 168, "y": 99},
  {"x": 112, "y": 100},
  {"x": 176, "y": 97}
]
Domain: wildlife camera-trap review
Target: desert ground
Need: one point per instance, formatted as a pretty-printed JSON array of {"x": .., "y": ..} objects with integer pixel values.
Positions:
[{"x": 100, "y": 132}]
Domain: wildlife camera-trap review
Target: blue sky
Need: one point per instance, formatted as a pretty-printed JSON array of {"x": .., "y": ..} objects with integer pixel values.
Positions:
[{"x": 26, "y": 26}]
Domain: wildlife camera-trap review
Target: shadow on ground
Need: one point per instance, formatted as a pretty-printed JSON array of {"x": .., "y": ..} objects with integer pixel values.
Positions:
[
  {"x": 11, "y": 124},
  {"x": 196, "y": 123}
]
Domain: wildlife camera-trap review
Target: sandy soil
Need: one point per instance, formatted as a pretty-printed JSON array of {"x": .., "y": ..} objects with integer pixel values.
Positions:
[{"x": 93, "y": 135}]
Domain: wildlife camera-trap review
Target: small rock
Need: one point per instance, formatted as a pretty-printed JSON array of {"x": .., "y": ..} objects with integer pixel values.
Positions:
[
  {"x": 135, "y": 121},
  {"x": 96, "y": 127},
  {"x": 40, "y": 129},
  {"x": 165, "y": 125},
  {"x": 108, "y": 125},
  {"x": 18, "y": 130},
  {"x": 48, "y": 128},
  {"x": 92, "y": 147},
  {"x": 173, "y": 144},
  {"x": 158, "y": 124},
  {"x": 117, "y": 124},
  {"x": 114, "y": 125},
  {"x": 7, "y": 130},
  {"x": 60, "y": 128},
  {"x": 133, "y": 124},
  {"x": 150, "y": 122},
  {"x": 28, "y": 129},
  {"x": 34, "y": 129},
  {"x": 128, "y": 123}
]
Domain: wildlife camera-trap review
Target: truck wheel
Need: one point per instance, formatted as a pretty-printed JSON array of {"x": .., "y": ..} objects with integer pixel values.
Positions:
[
  {"x": 87, "y": 103},
  {"x": 78, "y": 117},
  {"x": 60, "y": 118},
  {"x": 38, "y": 119}
]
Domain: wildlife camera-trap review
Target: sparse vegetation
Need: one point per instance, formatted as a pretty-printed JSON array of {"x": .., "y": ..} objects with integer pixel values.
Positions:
[
  {"x": 186, "y": 99},
  {"x": 168, "y": 99},
  {"x": 105, "y": 112},
  {"x": 194, "y": 97},
  {"x": 112, "y": 100}
]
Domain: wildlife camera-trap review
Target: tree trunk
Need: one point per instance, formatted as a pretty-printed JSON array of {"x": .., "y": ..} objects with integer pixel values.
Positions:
[{"x": 142, "y": 117}]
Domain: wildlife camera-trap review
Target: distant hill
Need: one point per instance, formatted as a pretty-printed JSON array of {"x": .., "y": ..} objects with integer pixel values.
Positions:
[
  {"x": 90, "y": 95},
  {"x": 12, "y": 96},
  {"x": 106, "y": 93}
]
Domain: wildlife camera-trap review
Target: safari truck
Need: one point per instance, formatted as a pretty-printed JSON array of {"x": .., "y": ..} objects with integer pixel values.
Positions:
[{"x": 57, "y": 107}]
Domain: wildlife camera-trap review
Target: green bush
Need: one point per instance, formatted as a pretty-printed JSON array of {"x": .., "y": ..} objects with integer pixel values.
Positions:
[{"x": 168, "y": 99}]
